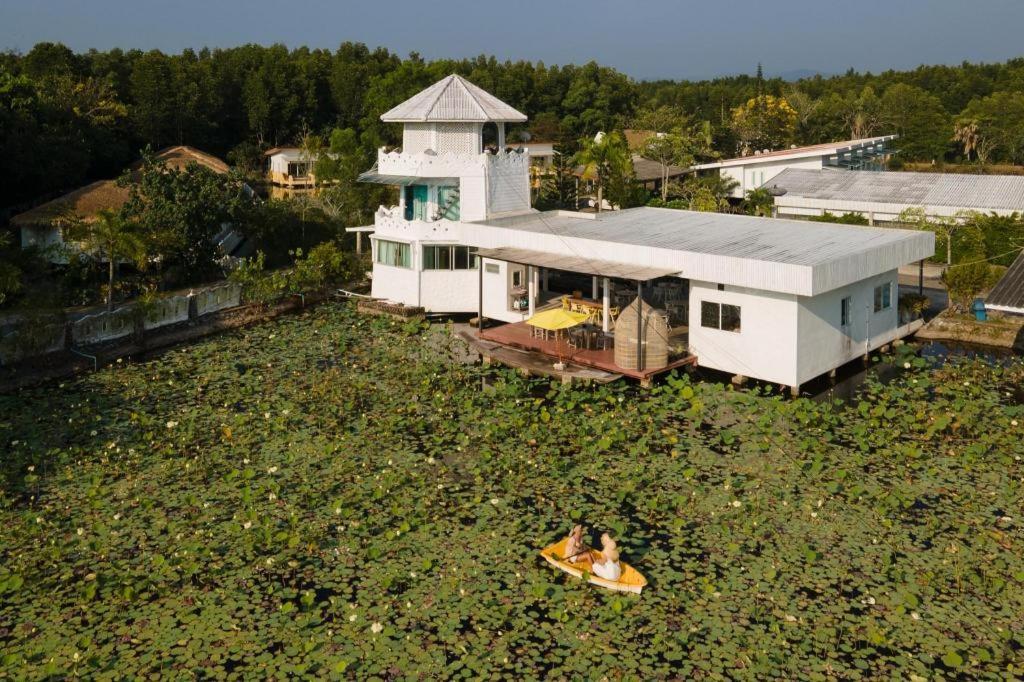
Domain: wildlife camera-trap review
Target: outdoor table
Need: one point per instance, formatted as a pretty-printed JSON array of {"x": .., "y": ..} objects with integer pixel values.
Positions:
[{"x": 587, "y": 336}]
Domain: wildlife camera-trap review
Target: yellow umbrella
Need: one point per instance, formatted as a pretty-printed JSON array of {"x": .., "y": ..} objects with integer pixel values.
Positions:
[{"x": 556, "y": 319}]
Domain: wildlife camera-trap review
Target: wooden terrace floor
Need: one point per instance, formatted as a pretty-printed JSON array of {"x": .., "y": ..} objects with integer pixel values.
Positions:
[{"x": 520, "y": 335}]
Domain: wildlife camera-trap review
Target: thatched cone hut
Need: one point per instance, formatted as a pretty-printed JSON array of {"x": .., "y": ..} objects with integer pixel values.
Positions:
[{"x": 653, "y": 331}]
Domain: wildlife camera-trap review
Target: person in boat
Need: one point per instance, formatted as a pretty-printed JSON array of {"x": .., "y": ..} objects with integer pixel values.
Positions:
[
  {"x": 607, "y": 565},
  {"x": 576, "y": 552}
]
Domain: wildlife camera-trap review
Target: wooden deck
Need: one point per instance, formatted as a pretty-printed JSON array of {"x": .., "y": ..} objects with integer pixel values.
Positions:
[{"x": 520, "y": 335}]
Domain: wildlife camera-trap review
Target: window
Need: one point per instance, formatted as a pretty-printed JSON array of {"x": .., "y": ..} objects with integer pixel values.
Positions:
[
  {"x": 730, "y": 318},
  {"x": 395, "y": 254},
  {"x": 449, "y": 257},
  {"x": 448, "y": 203},
  {"x": 517, "y": 278},
  {"x": 298, "y": 170},
  {"x": 845, "y": 309},
  {"x": 710, "y": 314},
  {"x": 883, "y": 297},
  {"x": 416, "y": 197},
  {"x": 720, "y": 316},
  {"x": 492, "y": 268}
]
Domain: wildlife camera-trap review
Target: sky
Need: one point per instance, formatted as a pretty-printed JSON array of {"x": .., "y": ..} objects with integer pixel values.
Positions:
[{"x": 645, "y": 39}]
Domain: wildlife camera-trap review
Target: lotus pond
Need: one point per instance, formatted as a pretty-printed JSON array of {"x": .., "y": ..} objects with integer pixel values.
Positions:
[{"x": 337, "y": 495}]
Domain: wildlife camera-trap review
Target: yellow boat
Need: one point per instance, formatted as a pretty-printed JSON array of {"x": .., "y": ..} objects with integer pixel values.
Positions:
[{"x": 629, "y": 581}]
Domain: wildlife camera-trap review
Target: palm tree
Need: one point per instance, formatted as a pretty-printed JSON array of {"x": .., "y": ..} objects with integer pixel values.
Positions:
[
  {"x": 112, "y": 237},
  {"x": 759, "y": 202},
  {"x": 604, "y": 158}
]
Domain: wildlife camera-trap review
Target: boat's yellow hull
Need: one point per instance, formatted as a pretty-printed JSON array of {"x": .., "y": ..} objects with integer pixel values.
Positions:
[{"x": 629, "y": 581}]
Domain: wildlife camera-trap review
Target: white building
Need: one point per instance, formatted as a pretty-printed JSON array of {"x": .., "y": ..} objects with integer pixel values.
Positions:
[
  {"x": 761, "y": 167},
  {"x": 881, "y": 197},
  {"x": 289, "y": 167},
  {"x": 768, "y": 299}
]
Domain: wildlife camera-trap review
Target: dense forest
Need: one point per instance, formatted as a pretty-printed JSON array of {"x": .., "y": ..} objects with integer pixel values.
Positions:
[{"x": 67, "y": 118}]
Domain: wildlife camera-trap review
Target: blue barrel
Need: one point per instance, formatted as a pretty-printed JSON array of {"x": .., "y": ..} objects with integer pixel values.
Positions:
[{"x": 978, "y": 307}]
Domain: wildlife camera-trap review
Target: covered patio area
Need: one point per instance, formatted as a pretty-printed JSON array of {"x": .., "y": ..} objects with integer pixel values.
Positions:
[{"x": 650, "y": 340}]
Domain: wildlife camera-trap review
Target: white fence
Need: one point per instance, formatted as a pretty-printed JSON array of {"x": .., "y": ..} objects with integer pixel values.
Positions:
[
  {"x": 105, "y": 326},
  {"x": 22, "y": 338},
  {"x": 165, "y": 311},
  {"x": 217, "y": 298}
]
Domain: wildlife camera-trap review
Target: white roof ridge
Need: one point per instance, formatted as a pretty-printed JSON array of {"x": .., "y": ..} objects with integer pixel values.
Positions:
[
  {"x": 453, "y": 99},
  {"x": 472, "y": 96}
]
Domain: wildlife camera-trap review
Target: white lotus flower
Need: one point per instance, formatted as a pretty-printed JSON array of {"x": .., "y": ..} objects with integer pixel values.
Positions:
[{"x": 377, "y": 628}]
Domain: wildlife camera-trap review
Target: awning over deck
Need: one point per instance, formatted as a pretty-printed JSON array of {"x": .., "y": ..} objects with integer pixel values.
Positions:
[
  {"x": 382, "y": 179},
  {"x": 589, "y": 266}
]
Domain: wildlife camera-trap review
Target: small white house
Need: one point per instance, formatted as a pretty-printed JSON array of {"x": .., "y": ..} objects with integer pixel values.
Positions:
[
  {"x": 881, "y": 197},
  {"x": 289, "y": 167},
  {"x": 760, "y": 168},
  {"x": 768, "y": 299}
]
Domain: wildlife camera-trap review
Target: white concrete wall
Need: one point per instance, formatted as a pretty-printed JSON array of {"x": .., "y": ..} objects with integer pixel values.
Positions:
[
  {"x": 496, "y": 294},
  {"x": 765, "y": 347},
  {"x": 755, "y": 173},
  {"x": 824, "y": 344},
  {"x": 508, "y": 186},
  {"x": 791, "y": 205},
  {"x": 449, "y": 291},
  {"x": 400, "y": 285}
]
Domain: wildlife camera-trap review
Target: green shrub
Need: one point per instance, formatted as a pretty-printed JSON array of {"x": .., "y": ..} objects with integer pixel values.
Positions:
[{"x": 964, "y": 282}]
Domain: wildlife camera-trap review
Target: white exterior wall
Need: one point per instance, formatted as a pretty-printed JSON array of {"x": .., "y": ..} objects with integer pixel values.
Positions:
[
  {"x": 496, "y": 293},
  {"x": 279, "y": 161},
  {"x": 400, "y": 285},
  {"x": 765, "y": 347},
  {"x": 754, "y": 174},
  {"x": 458, "y": 138},
  {"x": 449, "y": 291},
  {"x": 417, "y": 137},
  {"x": 882, "y": 212},
  {"x": 508, "y": 183},
  {"x": 824, "y": 344}
]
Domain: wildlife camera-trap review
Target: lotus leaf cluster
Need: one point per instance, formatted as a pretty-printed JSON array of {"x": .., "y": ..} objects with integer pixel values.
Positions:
[{"x": 336, "y": 495}]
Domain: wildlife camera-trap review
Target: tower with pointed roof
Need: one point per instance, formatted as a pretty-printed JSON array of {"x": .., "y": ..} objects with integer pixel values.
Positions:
[{"x": 452, "y": 169}]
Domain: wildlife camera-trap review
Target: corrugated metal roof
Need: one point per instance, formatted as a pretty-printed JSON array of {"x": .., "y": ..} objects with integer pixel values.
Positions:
[
  {"x": 587, "y": 266},
  {"x": 794, "y": 242},
  {"x": 374, "y": 176},
  {"x": 453, "y": 99},
  {"x": 954, "y": 190},
  {"x": 1008, "y": 294},
  {"x": 824, "y": 149},
  {"x": 787, "y": 256}
]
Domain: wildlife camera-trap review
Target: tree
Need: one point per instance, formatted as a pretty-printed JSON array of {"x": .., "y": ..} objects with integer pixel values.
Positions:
[
  {"x": 558, "y": 185},
  {"x": 337, "y": 169},
  {"x": 110, "y": 236},
  {"x": 676, "y": 140},
  {"x": 918, "y": 118},
  {"x": 805, "y": 108},
  {"x": 152, "y": 111},
  {"x": 993, "y": 125},
  {"x": 864, "y": 114},
  {"x": 967, "y": 280},
  {"x": 10, "y": 273},
  {"x": 605, "y": 159},
  {"x": 759, "y": 202},
  {"x": 959, "y": 232},
  {"x": 705, "y": 193},
  {"x": 764, "y": 122},
  {"x": 182, "y": 210}
]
